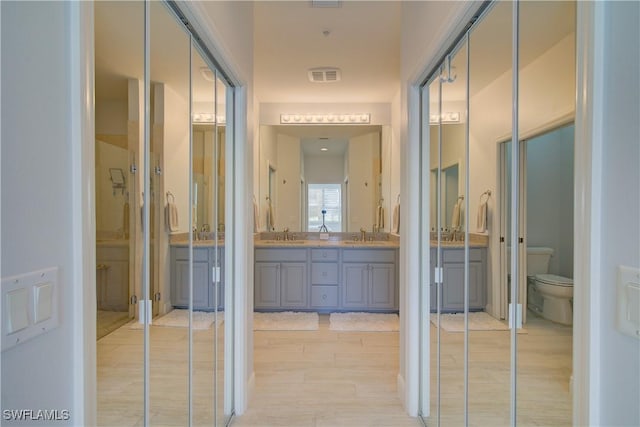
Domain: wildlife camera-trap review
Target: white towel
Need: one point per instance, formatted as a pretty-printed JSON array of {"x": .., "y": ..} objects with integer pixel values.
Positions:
[
  {"x": 380, "y": 218},
  {"x": 396, "y": 219},
  {"x": 455, "y": 217},
  {"x": 482, "y": 217},
  {"x": 171, "y": 216}
]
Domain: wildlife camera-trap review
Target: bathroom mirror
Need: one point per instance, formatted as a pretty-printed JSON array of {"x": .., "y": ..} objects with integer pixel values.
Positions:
[{"x": 342, "y": 169}]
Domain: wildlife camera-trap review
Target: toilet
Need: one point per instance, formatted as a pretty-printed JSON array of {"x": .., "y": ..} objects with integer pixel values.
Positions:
[{"x": 549, "y": 295}]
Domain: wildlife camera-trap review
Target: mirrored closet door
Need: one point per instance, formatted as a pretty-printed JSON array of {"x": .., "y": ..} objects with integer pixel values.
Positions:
[
  {"x": 496, "y": 343},
  {"x": 163, "y": 103}
]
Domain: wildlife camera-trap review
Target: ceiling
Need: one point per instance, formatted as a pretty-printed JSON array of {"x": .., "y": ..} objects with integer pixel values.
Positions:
[{"x": 363, "y": 41}]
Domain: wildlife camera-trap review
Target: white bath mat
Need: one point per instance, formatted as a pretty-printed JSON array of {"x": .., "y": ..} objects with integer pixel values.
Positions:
[
  {"x": 365, "y": 322},
  {"x": 179, "y": 318},
  {"x": 285, "y": 321},
  {"x": 478, "y": 321}
]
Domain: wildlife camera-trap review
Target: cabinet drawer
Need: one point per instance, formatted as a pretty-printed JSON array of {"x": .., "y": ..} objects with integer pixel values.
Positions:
[
  {"x": 324, "y": 296},
  {"x": 324, "y": 273},
  {"x": 199, "y": 254},
  {"x": 457, "y": 255},
  {"x": 281, "y": 255},
  {"x": 369, "y": 255},
  {"x": 324, "y": 255}
]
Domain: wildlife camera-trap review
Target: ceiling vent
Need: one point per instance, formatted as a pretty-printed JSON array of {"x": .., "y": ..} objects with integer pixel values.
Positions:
[
  {"x": 324, "y": 75},
  {"x": 326, "y": 3}
]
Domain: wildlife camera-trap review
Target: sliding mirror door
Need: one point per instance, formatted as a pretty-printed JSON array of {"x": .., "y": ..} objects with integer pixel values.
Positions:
[
  {"x": 161, "y": 207},
  {"x": 546, "y": 105},
  {"x": 168, "y": 166},
  {"x": 490, "y": 102},
  {"x": 119, "y": 125}
]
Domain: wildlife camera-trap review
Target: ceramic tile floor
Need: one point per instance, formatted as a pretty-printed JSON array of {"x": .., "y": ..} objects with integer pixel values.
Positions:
[{"x": 327, "y": 378}]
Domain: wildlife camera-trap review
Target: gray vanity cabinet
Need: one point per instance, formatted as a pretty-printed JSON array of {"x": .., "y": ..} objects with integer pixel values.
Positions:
[
  {"x": 324, "y": 278},
  {"x": 281, "y": 279},
  {"x": 369, "y": 279},
  {"x": 452, "y": 295},
  {"x": 206, "y": 293}
]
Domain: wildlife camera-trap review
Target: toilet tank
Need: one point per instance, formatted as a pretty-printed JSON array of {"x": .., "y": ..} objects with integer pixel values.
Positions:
[{"x": 538, "y": 260}]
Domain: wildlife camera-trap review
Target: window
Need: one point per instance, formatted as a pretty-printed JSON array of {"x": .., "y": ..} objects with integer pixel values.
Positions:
[{"x": 329, "y": 198}]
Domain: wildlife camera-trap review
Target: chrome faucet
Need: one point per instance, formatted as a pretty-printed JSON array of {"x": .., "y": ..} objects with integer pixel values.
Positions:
[
  {"x": 363, "y": 234},
  {"x": 285, "y": 234}
]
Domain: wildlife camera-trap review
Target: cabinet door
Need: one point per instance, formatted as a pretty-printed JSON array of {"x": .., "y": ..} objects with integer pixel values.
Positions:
[
  {"x": 293, "y": 284},
  {"x": 180, "y": 288},
  {"x": 453, "y": 287},
  {"x": 476, "y": 286},
  {"x": 382, "y": 286},
  {"x": 267, "y": 285},
  {"x": 355, "y": 278},
  {"x": 115, "y": 286}
]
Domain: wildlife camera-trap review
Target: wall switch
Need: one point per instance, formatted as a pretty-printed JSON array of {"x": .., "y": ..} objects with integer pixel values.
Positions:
[
  {"x": 17, "y": 303},
  {"x": 628, "y": 289},
  {"x": 42, "y": 302},
  {"x": 30, "y": 302}
]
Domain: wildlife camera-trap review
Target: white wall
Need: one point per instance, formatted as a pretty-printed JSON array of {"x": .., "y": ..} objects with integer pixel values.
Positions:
[
  {"x": 550, "y": 197},
  {"x": 618, "y": 362},
  {"x": 363, "y": 161},
  {"x": 37, "y": 229},
  {"x": 268, "y": 155},
  {"x": 287, "y": 206},
  {"x": 176, "y": 159},
  {"x": 324, "y": 169}
]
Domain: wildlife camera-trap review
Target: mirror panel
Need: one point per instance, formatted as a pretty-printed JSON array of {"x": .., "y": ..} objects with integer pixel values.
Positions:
[
  {"x": 169, "y": 357},
  {"x": 490, "y": 94},
  {"x": 546, "y": 138},
  {"x": 305, "y": 169},
  {"x": 119, "y": 65}
]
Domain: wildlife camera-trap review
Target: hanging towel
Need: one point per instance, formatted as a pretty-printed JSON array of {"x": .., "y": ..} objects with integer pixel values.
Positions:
[
  {"x": 482, "y": 217},
  {"x": 380, "y": 217},
  {"x": 455, "y": 217},
  {"x": 171, "y": 216},
  {"x": 396, "y": 219}
]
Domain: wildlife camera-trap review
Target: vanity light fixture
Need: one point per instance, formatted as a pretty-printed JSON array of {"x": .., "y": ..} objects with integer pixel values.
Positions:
[
  {"x": 312, "y": 119},
  {"x": 451, "y": 117},
  {"x": 208, "y": 118}
]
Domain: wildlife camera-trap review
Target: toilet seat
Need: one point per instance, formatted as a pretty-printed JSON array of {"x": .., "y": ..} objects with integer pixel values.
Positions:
[{"x": 554, "y": 280}]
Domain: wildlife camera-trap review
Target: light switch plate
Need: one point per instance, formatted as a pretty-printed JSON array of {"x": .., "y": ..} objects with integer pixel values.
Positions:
[
  {"x": 628, "y": 288},
  {"x": 29, "y": 306}
]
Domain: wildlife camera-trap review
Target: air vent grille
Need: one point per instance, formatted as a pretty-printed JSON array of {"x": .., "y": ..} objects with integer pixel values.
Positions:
[{"x": 324, "y": 75}]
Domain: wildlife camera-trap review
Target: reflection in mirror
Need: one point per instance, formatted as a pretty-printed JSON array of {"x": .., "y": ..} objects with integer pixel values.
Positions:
[
  {"x": 306, "y": 169},
  {"x": 452, "y": 184},
  {"x": 169, "y": 167},
  {"x": 119, "y": 64}
]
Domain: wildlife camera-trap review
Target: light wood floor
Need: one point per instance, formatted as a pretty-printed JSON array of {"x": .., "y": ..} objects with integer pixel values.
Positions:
[{"x": 327, "y": 378}]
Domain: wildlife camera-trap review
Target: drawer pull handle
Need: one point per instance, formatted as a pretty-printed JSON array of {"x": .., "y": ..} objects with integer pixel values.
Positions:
[
  {"x": 324, "y": 274},
  {"x": 324, "y": 254},
  {"x": 324, "y": 296}
]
